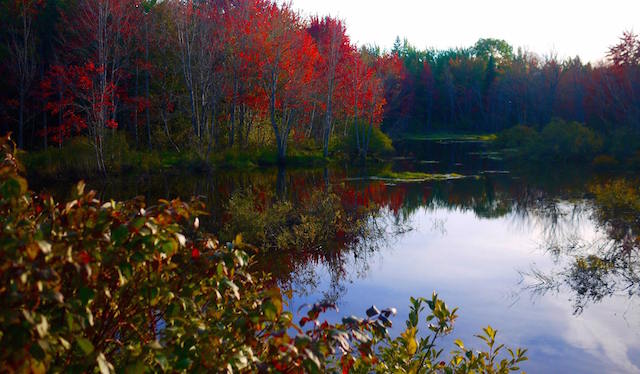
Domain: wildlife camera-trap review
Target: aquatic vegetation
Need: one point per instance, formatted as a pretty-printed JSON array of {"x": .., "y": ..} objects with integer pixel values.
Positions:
[
  {"x": 413, "y": 176},
  {"x": 452, "y": 137},
  {"x": 558, "y": 140}
]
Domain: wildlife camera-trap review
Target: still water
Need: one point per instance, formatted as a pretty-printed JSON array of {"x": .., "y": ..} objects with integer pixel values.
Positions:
[{"x": 525, "y": 250}]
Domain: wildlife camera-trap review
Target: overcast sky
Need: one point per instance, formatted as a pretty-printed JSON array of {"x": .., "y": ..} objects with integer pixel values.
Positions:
[{"x": 567, "y": 27}]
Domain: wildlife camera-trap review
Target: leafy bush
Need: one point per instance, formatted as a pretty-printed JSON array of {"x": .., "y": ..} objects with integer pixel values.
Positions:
[
  {"x": 558, "y": 140},
  {"x": 123, "y": 286},
  {"x": 275, "y": 224},
  {"x": 618, "y": 200},
  {"x": 379, "y": 145},
  {"x": 567, "y": 141},
  {"x": 519, "y": 136},
  {"x": 624, "y": 145}
]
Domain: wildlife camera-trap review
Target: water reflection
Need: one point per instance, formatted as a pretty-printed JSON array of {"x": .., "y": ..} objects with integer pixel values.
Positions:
[
  {"x": 545, "y": 255},
  {"x": 603, "y": 264}
]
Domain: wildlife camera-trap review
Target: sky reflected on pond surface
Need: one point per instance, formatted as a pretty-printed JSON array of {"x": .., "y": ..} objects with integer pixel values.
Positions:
[{"x": 474, "y": 264}]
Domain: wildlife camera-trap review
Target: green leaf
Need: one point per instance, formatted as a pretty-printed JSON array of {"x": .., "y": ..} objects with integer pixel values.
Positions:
[
  {"x": 270, "y": 310},
  {"x": 85, "y": 294},
  {"x": 119, "y": 234},
  {"x": 85, "y": 345},
  {"x": 138, "y": 223},
  {"x": 37, "y": 352}
]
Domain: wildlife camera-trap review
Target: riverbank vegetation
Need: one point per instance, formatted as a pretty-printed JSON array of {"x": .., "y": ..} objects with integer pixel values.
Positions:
[{"x": 570, "y": 142}]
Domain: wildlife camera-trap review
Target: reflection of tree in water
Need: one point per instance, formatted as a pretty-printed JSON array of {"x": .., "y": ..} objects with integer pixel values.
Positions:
[
  {"x": 307, "y": 228},
  {"x": 376, "y": 228},
  {"x": 381, "y": 230},
  {"x": 342, "y": 225},
  {"x": 606, "y": 265}
]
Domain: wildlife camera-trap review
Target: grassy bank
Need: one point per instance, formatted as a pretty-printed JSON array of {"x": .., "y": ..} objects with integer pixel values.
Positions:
[
  {"x": 302, "y": 156},
  {"x": 77, "y": 158}
]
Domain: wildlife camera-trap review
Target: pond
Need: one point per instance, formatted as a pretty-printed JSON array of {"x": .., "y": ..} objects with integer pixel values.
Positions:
[{"x": 531, "y": 251}]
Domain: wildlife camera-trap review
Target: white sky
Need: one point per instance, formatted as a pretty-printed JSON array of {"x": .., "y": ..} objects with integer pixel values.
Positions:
[{"x": 567, "y": 27}]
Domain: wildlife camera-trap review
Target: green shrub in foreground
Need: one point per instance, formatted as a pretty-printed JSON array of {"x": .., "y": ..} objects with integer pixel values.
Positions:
[{"x": 93, "y": 286}]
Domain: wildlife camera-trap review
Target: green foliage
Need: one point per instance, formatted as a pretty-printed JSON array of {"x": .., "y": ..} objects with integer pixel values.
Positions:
[
  {"x": 305, "y": 153},
  {"x": 624, "y": 144},
  {"x": 493, "y": 48},
  {"x": 77, "y": 157},
  {"x": 518, "y": 137},
  {"x": 558, "y": 140},
  {"x": 618, "y": 200},
  {"x": 568, "y": 141},
  {"x": 278, "y": 224},
  {"x": 302, "y": 154},
  {"x": 380, "y": 145},
  {"x": 92, "y": 286},
  {"x": 412, "y": 353}
]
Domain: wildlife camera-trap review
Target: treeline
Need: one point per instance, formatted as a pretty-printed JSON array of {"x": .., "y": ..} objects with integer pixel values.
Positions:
[
  {"x": 490, "y": 87},
  {"x": 201, "y": 76},
  {"x": 205, "y": 77}
]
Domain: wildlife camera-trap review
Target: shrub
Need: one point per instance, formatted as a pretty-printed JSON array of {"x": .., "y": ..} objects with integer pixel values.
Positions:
[
  {"x": 567, "y": 141},
  {"x": 624, "y": 143},
  {"x": 618, "y": 200},
  {"x": 558, "y": 140},
  {"x": 276, "y": 224},
  {"x": 517, "y": 137},
  {"x": 380, "y": 145},
  {"x": 91, "y": 286}
]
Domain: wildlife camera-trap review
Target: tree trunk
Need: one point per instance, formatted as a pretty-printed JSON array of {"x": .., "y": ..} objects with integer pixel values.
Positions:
[{"x": 327, "y": 128}]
